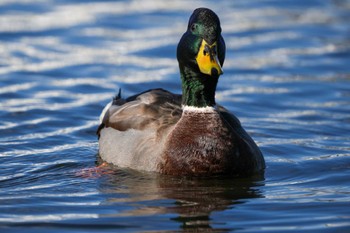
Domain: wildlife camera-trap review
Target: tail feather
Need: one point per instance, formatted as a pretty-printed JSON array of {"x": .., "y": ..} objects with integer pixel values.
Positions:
[{"x": 117, "y": 100}]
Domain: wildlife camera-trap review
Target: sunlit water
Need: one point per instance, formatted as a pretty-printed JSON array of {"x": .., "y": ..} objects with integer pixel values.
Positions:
[{"x": 287, "y": 74}]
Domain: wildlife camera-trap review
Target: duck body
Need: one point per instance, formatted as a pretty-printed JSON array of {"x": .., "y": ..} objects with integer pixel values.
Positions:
[
  {"x": 186, "y": 134},
  {"x": 154, "y": 132}
]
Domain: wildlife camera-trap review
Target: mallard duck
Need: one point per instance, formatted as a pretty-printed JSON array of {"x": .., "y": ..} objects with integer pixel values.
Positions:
[{"x": 186, "y": 134}]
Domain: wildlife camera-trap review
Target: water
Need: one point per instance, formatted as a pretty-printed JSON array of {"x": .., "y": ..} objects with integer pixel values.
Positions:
[{"x": 286, "y": 77}]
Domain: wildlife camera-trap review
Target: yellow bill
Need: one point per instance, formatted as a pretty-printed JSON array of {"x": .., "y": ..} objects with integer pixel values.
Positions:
[{"x": 207, "y": 58}]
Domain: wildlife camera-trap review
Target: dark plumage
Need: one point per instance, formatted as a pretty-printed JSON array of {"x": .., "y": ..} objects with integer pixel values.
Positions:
[{"x": 186, "y": 134}]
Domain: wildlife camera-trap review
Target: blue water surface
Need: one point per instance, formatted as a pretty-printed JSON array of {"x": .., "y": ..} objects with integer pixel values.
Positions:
[{"x": 286, "y": 77}]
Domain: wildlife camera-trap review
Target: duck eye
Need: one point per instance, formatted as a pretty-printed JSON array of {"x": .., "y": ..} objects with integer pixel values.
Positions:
[{"x": 193, "y": 27}]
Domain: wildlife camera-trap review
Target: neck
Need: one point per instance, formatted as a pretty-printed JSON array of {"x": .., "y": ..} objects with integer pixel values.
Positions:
[{"x": 198, "y": 90}]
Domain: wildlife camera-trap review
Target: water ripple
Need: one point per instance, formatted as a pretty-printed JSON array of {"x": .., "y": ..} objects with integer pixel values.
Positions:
[{"x": 286, "y": 78}]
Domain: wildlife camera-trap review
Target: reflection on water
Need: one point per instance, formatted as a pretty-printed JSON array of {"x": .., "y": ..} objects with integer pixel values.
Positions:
[
  {"x": 193, "y": 200},
  {"x": 286, "y": 78}
]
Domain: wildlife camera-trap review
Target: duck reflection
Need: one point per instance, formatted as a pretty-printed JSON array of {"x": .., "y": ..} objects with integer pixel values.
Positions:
[
  {"x": 197, "y": 198},
  {"x": 192, "y": 199}
]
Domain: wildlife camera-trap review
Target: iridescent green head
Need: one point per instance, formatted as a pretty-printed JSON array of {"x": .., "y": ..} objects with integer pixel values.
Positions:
[{"x": 201, "y": 54}]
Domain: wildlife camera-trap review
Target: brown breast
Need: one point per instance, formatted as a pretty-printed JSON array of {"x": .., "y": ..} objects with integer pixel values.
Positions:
[{"x": 200, "y": 144}]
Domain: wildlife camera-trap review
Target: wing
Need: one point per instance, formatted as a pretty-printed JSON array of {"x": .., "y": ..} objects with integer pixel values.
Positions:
[
  {"x": 155, "y": 108},
  {"x": 246, "y": 144}
]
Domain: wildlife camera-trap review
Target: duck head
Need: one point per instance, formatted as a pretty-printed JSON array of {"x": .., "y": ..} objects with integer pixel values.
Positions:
[{"x": 201, "y": 54}]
